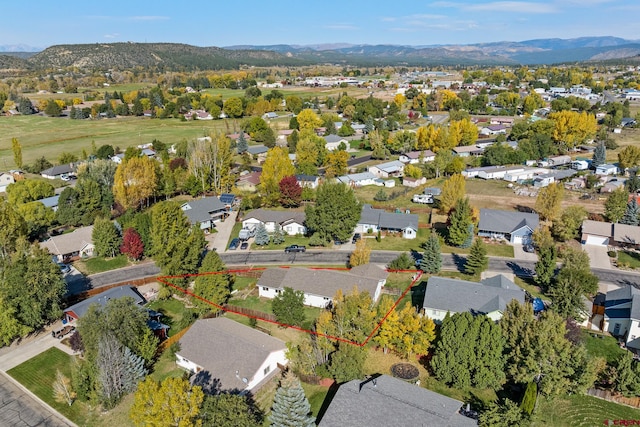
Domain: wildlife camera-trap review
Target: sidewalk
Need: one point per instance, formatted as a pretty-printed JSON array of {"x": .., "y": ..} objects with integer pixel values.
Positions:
[{"x": 29, "y": 347}]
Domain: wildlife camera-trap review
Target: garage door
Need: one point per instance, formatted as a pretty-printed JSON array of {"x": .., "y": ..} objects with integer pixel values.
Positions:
[
  {"x": 597, "y": 240},
  {"x": 517, "y": 240}
]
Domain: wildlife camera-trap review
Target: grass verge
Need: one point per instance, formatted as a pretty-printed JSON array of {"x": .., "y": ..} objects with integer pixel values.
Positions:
[{"x": 99, "y": 264}]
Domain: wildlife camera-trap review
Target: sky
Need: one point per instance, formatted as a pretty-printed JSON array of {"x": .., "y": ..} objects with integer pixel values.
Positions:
[{"x": 42, "y": 23}]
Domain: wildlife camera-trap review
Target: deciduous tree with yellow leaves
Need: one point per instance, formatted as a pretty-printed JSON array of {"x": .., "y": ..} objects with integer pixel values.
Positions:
[
  {"x": 135, "y": 181},
  {"x": 171, "y": 403}
]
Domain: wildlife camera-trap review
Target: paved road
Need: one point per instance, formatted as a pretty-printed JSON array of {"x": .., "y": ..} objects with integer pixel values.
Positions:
[
  {"x": 449, "y": 261},
  {"x": 20, "y": 409}
]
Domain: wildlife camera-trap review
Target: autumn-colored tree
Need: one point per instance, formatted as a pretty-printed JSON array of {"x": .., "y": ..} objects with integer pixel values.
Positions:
[
  {"x": 465, "y": 130},
  {"x": 548, "y": 202},
  {"x": 629, "y": 157},
  {"x": 412, "y": 171},
  {"x": 62, "y": 389},
  {"x": 532, "y": 102},
  {"x": 210, "y": 162},
  {"x": 399, "y": 99},
  {"x": 233, "y": 107},
  {"x": 336, "y": 163},
  {"x": 308, "y": 120},
  {"x": 447, "y": 99},
  {"x": 132, "y": 245},
  {"x": 453, "y": 190},
  {"x": 290, "y": 192},
  {"x": 572, "y": 128},
  {"x": 276, "y": 166},
  {"x": 308, "y": 154},
  {"x": 17, "y": 152},
  {"x": 360, "y": 254},
  {"x": 135, "y": 181},
  {"x": 172, "y": 403}
]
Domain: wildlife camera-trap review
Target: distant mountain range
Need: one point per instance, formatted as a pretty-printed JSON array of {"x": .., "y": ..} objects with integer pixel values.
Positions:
[{"x": 175, "y": 56}]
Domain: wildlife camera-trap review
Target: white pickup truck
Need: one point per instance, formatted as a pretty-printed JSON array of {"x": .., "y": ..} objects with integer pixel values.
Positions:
[{"x": 422, "y": 198}]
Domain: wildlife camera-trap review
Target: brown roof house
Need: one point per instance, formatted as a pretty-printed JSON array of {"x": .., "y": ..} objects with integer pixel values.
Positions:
[
  {"x": 320, "y": 286},
  {"x": 79, "y": 243},
  {"x": 225, "y": 355}
]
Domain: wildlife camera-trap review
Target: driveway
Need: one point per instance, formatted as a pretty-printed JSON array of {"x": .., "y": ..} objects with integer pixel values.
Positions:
[
  {"x": 598, "y": 256},
  {"x": 520, "y": 254},
  {"x": 219, "y": 240}
]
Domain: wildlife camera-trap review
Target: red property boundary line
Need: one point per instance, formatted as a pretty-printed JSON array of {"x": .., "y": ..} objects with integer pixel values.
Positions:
[{"x": 417, "y": 277}]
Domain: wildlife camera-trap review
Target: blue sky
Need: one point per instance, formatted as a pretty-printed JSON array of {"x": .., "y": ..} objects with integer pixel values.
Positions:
[{"x": 43, "y": 23}]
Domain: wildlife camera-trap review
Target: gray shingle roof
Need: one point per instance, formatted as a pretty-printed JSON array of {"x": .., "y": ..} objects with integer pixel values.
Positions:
[
  {"x": 204, "y": 209},
  {"x": 257, "y": 149},
  {"x": 50, "y": 202},
  {"x": 222, "y": 346},
  {"x": 597, "y": 228},
  {"x": 323, "y": 282},
  {"x": 498, "y": 221},
  {"x": 387, "y": 220},
  {"x": 69, "y": 242},
  {"x": 114, "y": 293},
  {"x": 391, "y": 402},
  {"x": 333, "y": 138},
  {"x": 390, "y": 167},
  {"x": 458, "y": 296},
  {"x": 57, "y": 170}
]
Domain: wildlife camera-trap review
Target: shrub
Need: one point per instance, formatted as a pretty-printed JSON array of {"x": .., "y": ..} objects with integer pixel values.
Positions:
[{"x": 612, "y": 254}]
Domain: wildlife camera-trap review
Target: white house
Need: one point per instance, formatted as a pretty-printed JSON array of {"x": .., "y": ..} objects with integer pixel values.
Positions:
[
  {"x": 291, "y": 222},
  {"x": 391, "y": 169},
  {"x": 596, "y": 232},
  {"x": 580, "y": 165},
  {"x": 57, "y": 171},
  {"x": 543, "y": 180},
  {"x": 493, "y": 130},
  {"x": 491, "y": 172},
  {"x": 516, "y": 227},
  {"x": 358, "y": 179},
  {"x": 490, "y": 297},
  {"x": 224, "y": 355},
  {"x": 117, "y": 158},
  {"x": 6, "y": 179},
  {"x": 526, "y": 174},
  {"x": 622, "y": 315},
  {"x": 415, "y": 157},
  {"x": 413, "y": 182},
  {"x": 320, "y": 286},
  {"x": 607, "y": 169},
  {"x": 308, "y": 181},
  {"x": 375, "y": 220},
  {"x": 332, "y": 142},
  {"x": 79, "y": 243}
]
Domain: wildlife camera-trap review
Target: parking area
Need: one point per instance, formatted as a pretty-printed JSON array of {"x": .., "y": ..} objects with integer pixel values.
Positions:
[
  {"x": 519, "y": 253},
  {"x": 220, "y": 239},
  {"x": 598, "y": 256}
]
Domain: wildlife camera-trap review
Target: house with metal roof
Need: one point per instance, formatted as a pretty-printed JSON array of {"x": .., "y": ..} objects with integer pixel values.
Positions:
[
  {"x": 358, "y": 179},
  {"x": 374, "y": 220},
  {"x": 224, "y": 355},
  {"x": 78, "y": 310},
  {"x": 622, "y": 315},
  {"x": 516, "y": 227},
  {"x": 489, "y": 296},
  {"x": 291, "y": 222},
  {"x": 391, "y": 169},
  {"x": 205, "y": 211},
  {"x": 387, "y": 401},
  {"x": 78, "y": 243},
  {"x": 320, "y": 286}
]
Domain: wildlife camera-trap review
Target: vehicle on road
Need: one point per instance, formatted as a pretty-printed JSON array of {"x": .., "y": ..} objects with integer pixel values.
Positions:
[
  {"x": 60, "y": 333},
  {"x": 356, "y": 237},
  {"x": 244, "y": 245},
  {"x": 295, "y": 248},
  {"x": 234, "y": 244}
]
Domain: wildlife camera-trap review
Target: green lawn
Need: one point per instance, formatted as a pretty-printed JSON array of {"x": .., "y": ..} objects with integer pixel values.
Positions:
[
  {"x": 99, "y": 264},
  {"x": 240, "y": 282},
  {"x": 316, "y": 395},
  {"x": 165, "y": 367},
  {"x": 529, "y": 285},
  {"x": 600, "y": 345},
  {"x": 175, "y": 314},
  {"x": 264, "y": 305},
  {"x": 39, "y": 373},
  {"x": 580, "y": 411},
  {"x": 629, "y": 259}
]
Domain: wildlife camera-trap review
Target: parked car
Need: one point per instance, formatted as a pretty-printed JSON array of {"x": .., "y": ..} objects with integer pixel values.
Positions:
[
  {"x": 244, "y": 245},
  {"x": 528, "y": 247},
  {"x": 64, "y": 268},
  {"x": 65, "y": 177},
  {"x": 339, "y": 242},
  {"x": 62, "y": 332},
  {"x": 356, "y": 237},
  {"x": 295, "y": 248},
  {"x": 234, "y": 244}
]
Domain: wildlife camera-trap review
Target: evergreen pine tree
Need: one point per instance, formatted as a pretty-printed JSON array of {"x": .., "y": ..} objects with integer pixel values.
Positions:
[
  {"x": 262, "y": 236},
  {"x": 632, "y": 213},
  {"x": 278, "y": 235},
  {"x": 242, "y": 144},
  {"x": 431, "y": 259},
  {"x": 459, "y": 221},
  {"x": 290, "y": 406},
  {"x": 599, "y": 155},
  {"x": 477, "y": 261},
  {"x": 529, "y": 399}
]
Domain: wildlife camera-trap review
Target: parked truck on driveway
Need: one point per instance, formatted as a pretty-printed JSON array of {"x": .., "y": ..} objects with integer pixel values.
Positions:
[{"x": 247, "y": 232}]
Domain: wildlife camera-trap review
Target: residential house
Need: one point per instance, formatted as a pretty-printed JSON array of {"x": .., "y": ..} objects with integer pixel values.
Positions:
[
  {"x": 391, "y": 169},
  {"x": 490, "y": 297},
  {"x": 516, "y": 227},
  {"x": 544, "y": 180},
  {"x": 626, "y": 235},
  {"x": 249, "y": 181},
  {"x": 491, "y": 172},
  {"x": 320, "y": 286},
  {"x": 148, "y": 152},
  {"x": 580, "y": 165},
  {"x": 6, "y": 179},
  {"x": 432, "y": 191},
  {"x": 50, "y": 202},
  {"x": 525, "y": 175},
  {"x": 622, "y": 315},
  {"x": 609, "y": 185},
  {"x": 387, "y": 401},
  {"x": 198, "y": 115},
  {"x": 78, "y": 310},
  {"x": 468, "y": 150},
  {"x": 502, "y": 120},
  {"x": 292, "y": 222},
  {"x": 205, "y": 211},
  {"x": 607, "y": 169},
  {"x": 358, "y": 179},
  {"x": 627, "y": 122},
  {"x": 57, "y": 171},
  {"x": 117, "y": 158},
  {"x": 236, "y": 136},
  {"x": 555, "y": 161},
  {"x": 225, "y": 355},
  {"x": 259, "y": 152},
  {"x": 308, "y": 181},
  {"x": 360, "y": 129},
  {"x": 78, "y": 243},
  {"x": 493, "y": 130},
  {"x": 415, "y": 157},
  {"x": 283, "y": 134},
  {"x": 270, "y": 115},
  {"x": 332, "y": 142},
  {"x": 596, "y": 232},
  {"x": 374, "y": 220},
  {"x": 413, "y": 182}
]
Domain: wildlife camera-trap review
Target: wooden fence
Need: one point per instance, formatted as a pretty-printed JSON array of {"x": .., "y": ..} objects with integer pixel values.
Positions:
[
  {"x": 617, "y": 398},
  {"x": 92, "y": 292},
  {"x": 250, "y": 312},
  {"x": 171, "y": 340}
]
